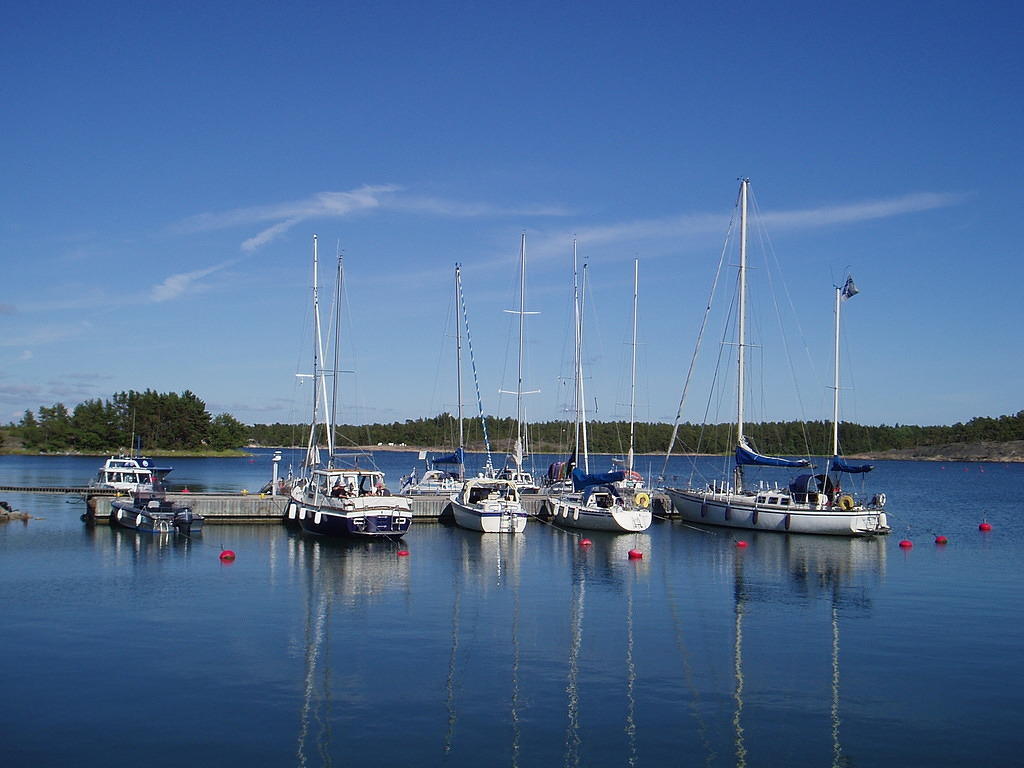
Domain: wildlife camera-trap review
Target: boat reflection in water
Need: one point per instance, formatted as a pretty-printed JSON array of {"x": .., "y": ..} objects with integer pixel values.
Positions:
[
  {"x": 779, "y": 568},
  {"x": 605, "y": 562},
  {"x": 355, "y": 574}
]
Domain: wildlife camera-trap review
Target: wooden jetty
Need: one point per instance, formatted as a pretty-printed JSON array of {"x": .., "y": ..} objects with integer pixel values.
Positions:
[{"x": 251, "y": 508}]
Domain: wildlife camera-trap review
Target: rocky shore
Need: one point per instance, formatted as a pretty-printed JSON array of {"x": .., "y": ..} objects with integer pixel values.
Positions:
[
  {"x": 1012, "y": 451},
  {"x": 8, "y": 513}
]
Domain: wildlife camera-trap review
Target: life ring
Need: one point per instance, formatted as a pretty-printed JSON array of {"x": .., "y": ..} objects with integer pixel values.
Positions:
[
  {"x": 879, "y": 499},
  {"x": 642, "y": 499},
  {"x": 846, "y": 502}
]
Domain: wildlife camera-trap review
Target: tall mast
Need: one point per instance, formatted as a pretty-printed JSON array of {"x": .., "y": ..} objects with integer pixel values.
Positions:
[
  {"x": 632, "y": 379},
  {"x": 337, "y": 352},
  {"x": 577, "y": 397},
  {"x": 741, "y": 328},
  {"x": 583, "y": 397},
  {"x": 319, "y": 385},
  {"x": 835, "y": 381},
  {"x": 458, "y": 356},
  {"x": 522, "y": 317}
]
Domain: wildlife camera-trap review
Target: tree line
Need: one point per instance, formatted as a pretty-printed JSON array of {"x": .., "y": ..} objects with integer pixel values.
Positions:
[
  {"x": 129, "y": 420},
  {"x": 171, "y": 421}
]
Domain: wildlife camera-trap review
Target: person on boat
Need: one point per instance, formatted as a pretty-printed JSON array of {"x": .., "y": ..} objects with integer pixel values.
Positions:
[{"x": 338, "y": 490}]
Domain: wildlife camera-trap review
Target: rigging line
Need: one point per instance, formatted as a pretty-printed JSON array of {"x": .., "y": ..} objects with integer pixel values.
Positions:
[
  {"x": 476, "y": 378},
  {"x": 769, "y": 251},
  {"x": 700, "y": 336}
]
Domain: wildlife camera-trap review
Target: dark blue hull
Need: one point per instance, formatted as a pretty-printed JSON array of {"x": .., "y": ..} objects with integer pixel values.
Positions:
[{"x": 348, "y": 525}]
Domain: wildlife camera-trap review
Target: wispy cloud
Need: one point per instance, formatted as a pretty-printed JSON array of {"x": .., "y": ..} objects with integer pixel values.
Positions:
[
  {"x": 684, "y": 226},
  {"x": 175, "y": 285},
  {"x": 281, "y": 217}
]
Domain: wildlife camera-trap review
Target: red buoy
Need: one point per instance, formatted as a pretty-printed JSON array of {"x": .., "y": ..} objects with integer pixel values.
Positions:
[
  {"x": 985, "y": 527},
  {"x": 403, "y": 553},
  {"x": 905, "y": 544},
  {"x": 185, "y": 490},
  {"x": 741, "y": 544},
  {"x": 227, "y": 555},
  {"x": 941, "y": 539},
  {"x": 585, "y": 542},
  {"x": 636, "y": 554}
]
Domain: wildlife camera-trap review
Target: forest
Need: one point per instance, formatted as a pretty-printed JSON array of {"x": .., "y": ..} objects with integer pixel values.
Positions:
[{"x": 155, "y": 422}]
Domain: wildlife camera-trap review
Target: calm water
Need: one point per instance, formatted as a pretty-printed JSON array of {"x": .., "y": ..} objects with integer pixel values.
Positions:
[{"x": 124, "y": 648}]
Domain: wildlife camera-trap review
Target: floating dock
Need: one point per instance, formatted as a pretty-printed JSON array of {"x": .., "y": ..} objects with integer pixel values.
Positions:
[{"x": 251, "y": 508}]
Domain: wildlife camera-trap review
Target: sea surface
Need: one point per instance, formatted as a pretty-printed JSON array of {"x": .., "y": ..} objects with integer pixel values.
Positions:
[{"x": 129, "y": 649}]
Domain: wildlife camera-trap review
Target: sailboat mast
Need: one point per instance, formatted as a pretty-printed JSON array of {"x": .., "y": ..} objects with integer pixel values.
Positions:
[
  {"x": 522, "y": 316},
  {"x": 741, "y": 328},
  {"x": 632, "y": 377},
  {"x": 577, "y": 399},
  {"x": 742, "y": 318},
  {"x": 835, "y": 381},
  {"x": 337, "y": 352},
  {"x": 458, "y": 356},
  {"x": 583, "y": 397}
]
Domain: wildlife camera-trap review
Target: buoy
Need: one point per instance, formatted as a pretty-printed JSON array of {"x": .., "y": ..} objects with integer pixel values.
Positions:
[
  {"x": 985, "y": 527},
  {"x": 585, "y": 542},
  {"x": 741, "y": 544},
  {"x": 905, "y": 544},
  {"x": 636, "y": 554},
  {"x": 403, "y": 553},
  {"x": 185, "y": 490},
  {"x": 941, "y": 539},
  {"x": 227, "y": 555}
]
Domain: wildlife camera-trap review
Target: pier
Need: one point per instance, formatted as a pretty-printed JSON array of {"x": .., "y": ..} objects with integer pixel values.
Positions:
[{"x": 252, "y": 508}]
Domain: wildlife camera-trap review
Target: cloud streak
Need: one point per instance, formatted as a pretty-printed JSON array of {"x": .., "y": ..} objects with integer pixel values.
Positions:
[
  {"x": 175, "y": 285},
  {"x": 279, "y": 218}
]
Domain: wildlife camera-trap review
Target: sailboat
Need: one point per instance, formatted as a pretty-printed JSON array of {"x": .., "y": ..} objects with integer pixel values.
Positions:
[
  {"x": 813, "y": 503},
  {"x": 487, "y": 504},
  {"x": 347, "y": 495},
  {"x": 515, "y": 473},
  {"x": 599, "y": 502}
]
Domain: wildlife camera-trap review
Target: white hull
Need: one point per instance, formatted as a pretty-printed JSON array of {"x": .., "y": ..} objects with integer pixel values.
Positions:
[
  {"x": 741, "y": 511},
  {"x": 490, "y": 518},
  {"x": 573, "y": 514}
]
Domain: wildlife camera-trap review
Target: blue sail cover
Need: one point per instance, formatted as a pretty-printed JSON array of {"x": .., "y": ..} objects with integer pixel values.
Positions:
[
  {"x": 459, "y": 457},
  {"x": 581, "y": 479},
  {"x": 838, "y": 465},
  {"x": 746, "y": 456}
]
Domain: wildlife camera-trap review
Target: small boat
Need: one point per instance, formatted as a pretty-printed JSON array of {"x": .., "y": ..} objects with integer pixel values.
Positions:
[
  {"x": 435, "y": 481},
  {"x": 597, "y": 502},
  {"x": 150, "y": 511},
  {"x": 345, "y": 496},
  {"x": 489, "y": 505},
  {"x": 812, "y": 503},
  {"x": 128, "y": 473},
  {"x": 349, "y": 502}
]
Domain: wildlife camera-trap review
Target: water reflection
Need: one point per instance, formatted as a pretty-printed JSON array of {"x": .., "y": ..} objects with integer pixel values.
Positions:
[{"x": 778, "y": 569}]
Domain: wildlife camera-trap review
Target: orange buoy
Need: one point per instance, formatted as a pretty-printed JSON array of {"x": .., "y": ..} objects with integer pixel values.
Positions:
[
  {"x": 985, "y": 527},
  {"x": 741, "y": 544},
  {"x": 941, "y": 539},
  {"x": 227, "y": 555},
  {"x": 905, "y": 544},
  {"x": 636, "y": 554},
  {"x": 403, "y": 553},
  {"x": 585, "y": 542}
]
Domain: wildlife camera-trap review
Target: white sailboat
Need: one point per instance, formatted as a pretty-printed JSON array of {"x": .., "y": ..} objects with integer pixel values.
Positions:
[
  {"x": 346, "y": 496},
  {"x": 515, "y": 473},
  {"x": 813, "y": 503},
  {"x": 600, "y": 502},
  {"x": 486, "y": 504}
]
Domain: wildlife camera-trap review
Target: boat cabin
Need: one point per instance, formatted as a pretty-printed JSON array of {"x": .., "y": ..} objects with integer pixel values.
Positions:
[{"x": 348, "y": 483}]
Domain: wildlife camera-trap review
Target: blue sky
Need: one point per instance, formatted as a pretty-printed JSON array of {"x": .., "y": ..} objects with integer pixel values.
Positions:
[{"x": 165, "y": 166}]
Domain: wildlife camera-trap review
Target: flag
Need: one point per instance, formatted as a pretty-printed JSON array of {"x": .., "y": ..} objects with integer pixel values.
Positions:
[{"x": 849, "y": 289}]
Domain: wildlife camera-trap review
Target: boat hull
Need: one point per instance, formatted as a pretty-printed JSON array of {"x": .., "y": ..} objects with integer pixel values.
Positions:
[
  {"x": 740, "y": 511},
  {"x": 490, "y": 519},
  {"x": 571, "y": 514},
  {"x": 382, "y": 520},
  {"x": 135, "y": 518}
]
